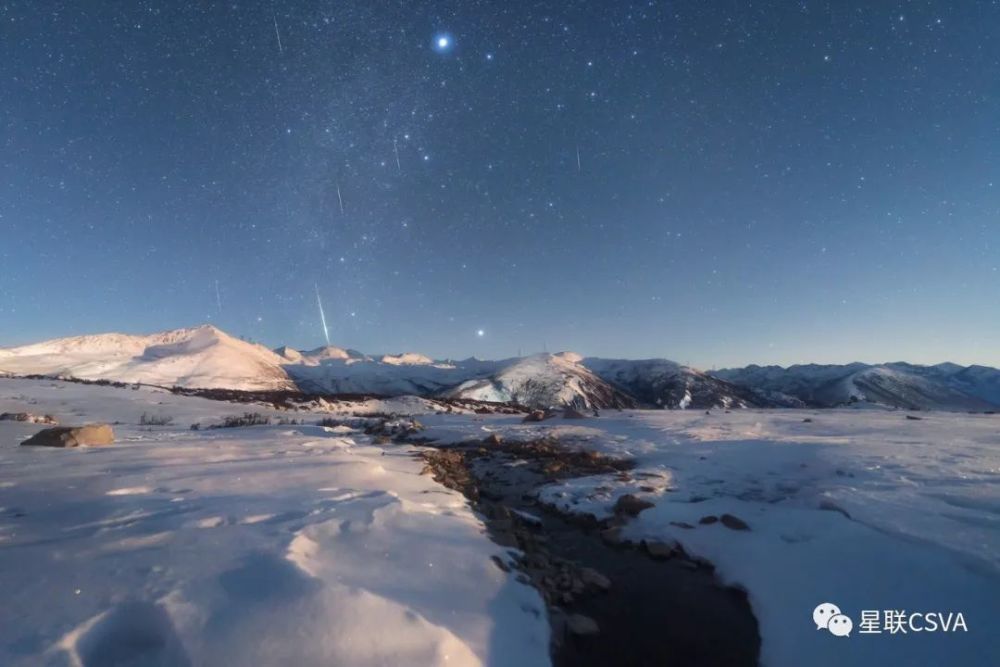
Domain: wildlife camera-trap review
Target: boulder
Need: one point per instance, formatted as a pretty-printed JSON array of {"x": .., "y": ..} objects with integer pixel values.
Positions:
[
  {"x": 659, "y": 550},
  {"x": 493, "y": 439},
  {"x": 72, "y": 436},
  {"x": 733, "y": 523},
  {"x": 631, "y": 505},
  {"x": 534, "y": 416},
  {"x": 592, "y": 577},
  {"x": 571, "y": 413}
]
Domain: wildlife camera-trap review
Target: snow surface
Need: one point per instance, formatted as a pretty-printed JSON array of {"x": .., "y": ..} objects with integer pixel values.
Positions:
[
  {"x": 862, "y": 508},
  {"x": 297, "y": 545}
]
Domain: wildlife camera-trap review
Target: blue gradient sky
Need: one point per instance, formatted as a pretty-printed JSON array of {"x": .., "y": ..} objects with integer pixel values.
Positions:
[{"x": 781, "y": 183}]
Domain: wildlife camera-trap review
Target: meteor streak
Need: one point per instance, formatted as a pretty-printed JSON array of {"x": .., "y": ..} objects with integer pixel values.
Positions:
[{"x": 322, "y": 315}]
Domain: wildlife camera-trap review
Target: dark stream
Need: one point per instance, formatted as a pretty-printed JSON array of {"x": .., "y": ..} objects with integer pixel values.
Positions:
[{"x": 662, "y": 613}]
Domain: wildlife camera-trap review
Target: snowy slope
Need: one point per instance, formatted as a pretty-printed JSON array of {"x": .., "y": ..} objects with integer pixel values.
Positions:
[
  {"x": 199, "y": 357},
  {"x": 271, "y": 545},
  {"x": 540, "y": 381},
  {"x": 666, "y": 384},
  {"x": 980, "y": 381},
  {"x": 545, "y": 380},
  {"x": 365, "y": 375}
]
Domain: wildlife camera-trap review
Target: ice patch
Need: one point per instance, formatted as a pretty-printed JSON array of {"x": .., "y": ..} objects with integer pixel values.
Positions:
[{"x": 130, "y": 491}]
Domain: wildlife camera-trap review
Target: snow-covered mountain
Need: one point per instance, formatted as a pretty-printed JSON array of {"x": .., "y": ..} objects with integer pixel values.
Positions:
[
  {"x": 205, "y": 357},
  {"x": 942, "y": 387},
  {"x": 666, "y": 384},
  {"x": 368, "y": 375},
  {"x": 202, "y": 357},
  {"x": 545, "y": 380}
]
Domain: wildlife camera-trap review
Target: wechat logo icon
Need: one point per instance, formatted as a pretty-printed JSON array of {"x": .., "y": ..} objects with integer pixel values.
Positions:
[{"x": 827, "y": 616}]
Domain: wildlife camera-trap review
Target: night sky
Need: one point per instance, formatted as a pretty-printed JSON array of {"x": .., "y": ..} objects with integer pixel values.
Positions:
[{"x": 718, "y": 183}]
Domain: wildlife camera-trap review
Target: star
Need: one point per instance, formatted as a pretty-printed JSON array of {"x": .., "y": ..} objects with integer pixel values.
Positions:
[{"x": 443, "y": 43}]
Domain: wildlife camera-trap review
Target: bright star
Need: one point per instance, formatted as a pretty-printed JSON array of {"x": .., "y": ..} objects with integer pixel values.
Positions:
[
  {"x": 480, "y": 333},
  {"x": 443, "y": 43}
]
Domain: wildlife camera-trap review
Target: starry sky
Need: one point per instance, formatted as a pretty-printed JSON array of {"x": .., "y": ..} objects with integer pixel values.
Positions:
[{"x": 718, "y": 183}]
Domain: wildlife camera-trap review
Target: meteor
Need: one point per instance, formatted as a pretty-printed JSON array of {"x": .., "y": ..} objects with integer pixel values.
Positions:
[{"x": 322, "y": 315}]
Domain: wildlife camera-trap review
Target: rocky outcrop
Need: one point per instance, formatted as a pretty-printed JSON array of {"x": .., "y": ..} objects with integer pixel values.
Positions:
[{"x": 27, "y": 417}]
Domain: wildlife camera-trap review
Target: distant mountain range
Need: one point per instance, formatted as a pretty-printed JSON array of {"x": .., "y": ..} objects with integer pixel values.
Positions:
[
  {"x": 941, "y": 387},
  {"x": 206, "y": 357}
]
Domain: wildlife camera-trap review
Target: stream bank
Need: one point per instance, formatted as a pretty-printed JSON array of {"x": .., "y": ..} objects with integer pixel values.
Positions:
[{"x": 609, "y": 602}]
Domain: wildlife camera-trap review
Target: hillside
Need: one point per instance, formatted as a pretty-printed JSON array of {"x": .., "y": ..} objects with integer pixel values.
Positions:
[{"x": 200, "y": 357}]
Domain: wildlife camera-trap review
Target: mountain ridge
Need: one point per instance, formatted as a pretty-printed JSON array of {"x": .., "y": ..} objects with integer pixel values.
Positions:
[{"x": 206, "y": 357}]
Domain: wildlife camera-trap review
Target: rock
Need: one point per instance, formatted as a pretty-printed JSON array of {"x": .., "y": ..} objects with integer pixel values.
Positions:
[
  {"x": 553, "y": 468},
  {"x": 534, "y": 416},
  {"x": 593, "y": 578},
  {"x": 912, "y": 418},
  {"x": 631, "y": 505},
  {"x": 708, "y": 520},
  {"x": 612, "y": 535},
  {"x": 581, "y": 625},
  {"x": 394, "y": 428},
  {"x": 807, "y": 420},
  {"x": 682, "y": 524},
  {"x": 493, "y": 439},
  {"x": 500, "y": 564},
  {"x": 570, "y": 413},
  {"x": 68, "y": 436},
  {"x": 659, "y": 550},
  {"x": 733, "y": 523}
]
